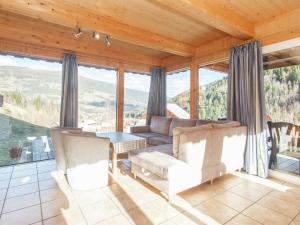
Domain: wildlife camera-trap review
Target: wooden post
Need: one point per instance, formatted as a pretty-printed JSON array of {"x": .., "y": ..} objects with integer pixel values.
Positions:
[
  {"x": 194, "y": 90},
  {"x": 120, "y": 98}
]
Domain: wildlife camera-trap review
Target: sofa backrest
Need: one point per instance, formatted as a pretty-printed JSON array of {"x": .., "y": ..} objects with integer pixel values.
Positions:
[
  {"x": 176, "y": 122},
  {"x": 206, "y": 148},
  {"x": 160, "y": 125}
]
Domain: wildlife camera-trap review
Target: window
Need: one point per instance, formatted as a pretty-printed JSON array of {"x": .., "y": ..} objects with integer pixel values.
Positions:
[
  {"x": 97, "y": 99},
  {"x": 136, "y": 96},
  {"x": 178, "y": 95},
  {"x": 31, "y": 92},
  {"x": 213, "y": 91}
]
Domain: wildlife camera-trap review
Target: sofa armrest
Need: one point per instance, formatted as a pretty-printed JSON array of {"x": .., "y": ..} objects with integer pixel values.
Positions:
[{"x": 140, "y": 129}]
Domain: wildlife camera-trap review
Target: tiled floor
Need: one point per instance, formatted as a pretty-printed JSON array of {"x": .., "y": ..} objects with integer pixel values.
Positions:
[{"x": 36, "y": 194}]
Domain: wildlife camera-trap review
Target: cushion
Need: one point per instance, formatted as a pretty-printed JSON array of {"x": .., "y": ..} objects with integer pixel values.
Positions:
[
  {"x": 203, "y": 122},
  {"x": 181, "y": 123},
  {"x": 158, "y": 163},
  {"x": 160, "y": 140},
  {"x": 160, "y": 125},
  {"x": 146, "y": 135},
  {"x": 167, "y": 149},
  {"x": 226, "y": 123},
  {"x": 182, "y": 130}
]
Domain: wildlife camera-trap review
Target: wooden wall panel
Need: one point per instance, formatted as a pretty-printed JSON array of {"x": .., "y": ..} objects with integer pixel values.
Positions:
[{"x": 194, "y": 91}]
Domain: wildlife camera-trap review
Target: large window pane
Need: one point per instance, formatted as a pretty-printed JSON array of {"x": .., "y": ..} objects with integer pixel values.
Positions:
[
  {"x": 178, "y": 95},
  {"x": 213, "y": 91},
  {"x": 31, "y": 91},
  {"x": 282, "y": 95},
  {"x": 97, "y": 99},
  {"x": 135, "y": 99}
]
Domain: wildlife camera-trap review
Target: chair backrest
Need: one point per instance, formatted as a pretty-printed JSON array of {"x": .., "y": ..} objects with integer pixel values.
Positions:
[
  {"x": 84, "y": 148},
  {"x": 282, "y": 135},
  {"x": 58, "y": 146}
]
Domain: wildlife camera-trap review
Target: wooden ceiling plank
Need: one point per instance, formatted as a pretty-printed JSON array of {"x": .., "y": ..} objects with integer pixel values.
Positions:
[
  {"x": 70, "y": 15},
  {"x": 32, "y": 31},
  {"x": 213, "y": 15}
]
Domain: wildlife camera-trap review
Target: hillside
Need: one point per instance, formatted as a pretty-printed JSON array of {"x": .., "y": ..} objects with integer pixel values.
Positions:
[{"x": 282, "y": 95}]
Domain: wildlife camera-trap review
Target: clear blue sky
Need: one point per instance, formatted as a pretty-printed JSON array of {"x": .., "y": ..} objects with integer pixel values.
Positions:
[{"x": 176, "y": 83}]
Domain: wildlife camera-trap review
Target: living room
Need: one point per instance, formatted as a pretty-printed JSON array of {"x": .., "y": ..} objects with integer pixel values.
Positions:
[{"x": 149, "y": 112}]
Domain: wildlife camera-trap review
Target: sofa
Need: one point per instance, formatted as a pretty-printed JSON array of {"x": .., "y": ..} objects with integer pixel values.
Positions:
[
  {"x": 160, "y": 130},
  {"x": 196, "y": 155}
]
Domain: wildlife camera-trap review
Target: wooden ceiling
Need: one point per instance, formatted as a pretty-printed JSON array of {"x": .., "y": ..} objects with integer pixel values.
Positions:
[{"x": 148, "y": 32}]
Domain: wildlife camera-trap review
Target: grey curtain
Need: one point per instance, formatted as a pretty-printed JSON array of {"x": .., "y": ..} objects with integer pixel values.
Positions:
[
  {"x": 69, "y": 96},
  {"x": 157, "y": 103},
  {"x": 246, "y": 103}
]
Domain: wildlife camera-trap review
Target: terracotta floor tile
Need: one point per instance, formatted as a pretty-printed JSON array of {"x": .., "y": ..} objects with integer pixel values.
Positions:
[
  {"x": 100, "y": 211},
  {"x": 233, "y": 201},
  {"x": 25, "y": 166},
  {"x": 154, "y": 212},
  {"x": 47, "y": 184},
  {"x": 286, "y": 208},
  {"x": 266, "y": 216},
  {"x": 45, "y": 169},
  {"x": 186, "y": 219},
  {"x": 295, "y": 222},
  {"x": 2, "y": 193},
  {"x": 4, "y": 184},
  {"x": 20, "y": 202},
  {"x": 4, "y": 176},
  {"x": 45, "y": 176},
  {"x": 23, "y": 173},
  {"x": 217, "y": 211},
  {"x": 115, "y": 220},
  {"x": 287, "y": 197},
  {"x": 57, "y": 207},
  {"x": 242, "y": 220},
  {"x": 198, "y": 194},
  {"x": 88, "y": 197},
  {"x": 6, "y": 169},
  {"x": 227, "y": 181},
  {"x": 22, "y": 190},
  {"x": 69, "y": 217},
  {"x": 46, "y": 163},
  {"x": 24, "y": 216},
  {"x": 55, "y": 193},
  {"x": 251, "y": 194},
  {"x": 23, "y": 180}
]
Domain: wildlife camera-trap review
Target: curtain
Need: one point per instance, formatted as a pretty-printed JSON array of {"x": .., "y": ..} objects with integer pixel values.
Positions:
[
  {"x": 246, "y": 103},
  {"x": 157, "y": 103},
  {"x": 69, "y": 96}
]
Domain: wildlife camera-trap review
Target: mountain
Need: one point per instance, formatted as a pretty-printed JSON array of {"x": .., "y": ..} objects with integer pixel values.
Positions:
[
  {"x": 282, "y": 96},
  {"x": 48, "y": 83}
]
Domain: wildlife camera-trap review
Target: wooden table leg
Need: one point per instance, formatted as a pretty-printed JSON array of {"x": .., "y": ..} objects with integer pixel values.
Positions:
[{"x": 114, "y": 160}]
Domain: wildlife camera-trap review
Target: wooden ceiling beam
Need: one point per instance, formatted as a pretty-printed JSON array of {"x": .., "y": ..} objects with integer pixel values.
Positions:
[
  {"x": 213, "y": 14},
  {"x": 72, "y": 15},
  {"x": 35, "y": 32}
]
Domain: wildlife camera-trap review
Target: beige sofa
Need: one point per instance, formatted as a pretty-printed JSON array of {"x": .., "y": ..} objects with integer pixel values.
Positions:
[
  {"x": 198, "y": 154},
  {"x": 160, "y": 131}
]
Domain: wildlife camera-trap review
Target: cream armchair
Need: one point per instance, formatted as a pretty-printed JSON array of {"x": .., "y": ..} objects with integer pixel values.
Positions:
[
  {"x": 87, "y": 158},
  {"x": 59, "y": 148}
]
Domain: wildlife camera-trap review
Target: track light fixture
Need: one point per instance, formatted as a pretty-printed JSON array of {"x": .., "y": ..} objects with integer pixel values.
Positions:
[
  {"x": 78, "y": 32},
  {"x": 107, "y": 40},
  {"x": 96, "y": 35}
]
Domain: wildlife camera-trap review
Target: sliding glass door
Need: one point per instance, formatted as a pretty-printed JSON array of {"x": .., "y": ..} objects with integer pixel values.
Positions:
[{"x": 30, "y": 92}]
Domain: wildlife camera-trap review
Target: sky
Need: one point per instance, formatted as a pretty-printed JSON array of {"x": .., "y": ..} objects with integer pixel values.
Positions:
[{"x": 176, "y": 83}]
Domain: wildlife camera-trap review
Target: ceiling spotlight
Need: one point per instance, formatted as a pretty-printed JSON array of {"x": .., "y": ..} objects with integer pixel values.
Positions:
[
  {"x": 96, "y": 35},
  {"x": 107, "y": 40},
  {"x": 78, "y": 33}
]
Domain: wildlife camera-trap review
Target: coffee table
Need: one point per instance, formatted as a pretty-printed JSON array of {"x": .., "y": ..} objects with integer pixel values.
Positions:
[{"x": 122, "y": 142}]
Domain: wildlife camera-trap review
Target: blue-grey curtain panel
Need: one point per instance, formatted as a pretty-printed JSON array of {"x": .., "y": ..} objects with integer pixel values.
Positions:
[
  {"x": 246, "y": 103},
  {"x": 69, "y": 96},
  {"x": 157, "y": 103}
]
